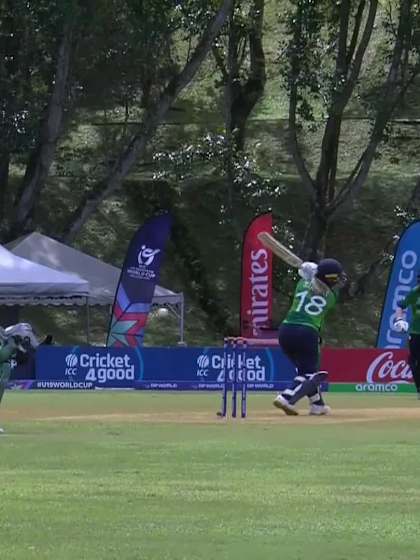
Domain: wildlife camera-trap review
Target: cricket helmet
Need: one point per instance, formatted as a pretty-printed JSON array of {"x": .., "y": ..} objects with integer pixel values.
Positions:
[{"x": 330, "y": 271}]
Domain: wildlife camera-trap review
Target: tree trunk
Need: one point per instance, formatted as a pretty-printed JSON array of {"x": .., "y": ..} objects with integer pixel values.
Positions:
[
  {"x": 247, "y": 94},
  {"x": 243, "y": 87},
  {"x": 42, "y": 156},
  {"x": 327, "y": 169},
  {"x": 140, "y": 140},
  {"x": 4, "y": 182},
  {"x": 316, "y": 235},
  {"x": 413, "y": 205},
  {"x": 199, "y": 278}
]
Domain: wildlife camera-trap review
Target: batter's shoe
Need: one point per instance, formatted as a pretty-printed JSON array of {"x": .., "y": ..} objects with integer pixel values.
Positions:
[
  {"x": 319, "y": 410},
  {"x": 285, "y": 406},
  {"x": 1, "y": 431}
]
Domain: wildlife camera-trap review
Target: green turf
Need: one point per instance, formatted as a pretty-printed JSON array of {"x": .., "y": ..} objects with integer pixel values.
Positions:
[{"x": 111, "y": 487}]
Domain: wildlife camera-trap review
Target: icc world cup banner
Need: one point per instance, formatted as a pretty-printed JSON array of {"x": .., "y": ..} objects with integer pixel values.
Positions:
[
  {"x": 139, "y": 276},
  {"x": 402, "y": 279}
]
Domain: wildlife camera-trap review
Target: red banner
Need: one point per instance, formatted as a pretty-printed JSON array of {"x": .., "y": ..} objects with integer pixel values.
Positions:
[
  {"x": 256, "y": 285},
  {"x": 372, "y": 366}
]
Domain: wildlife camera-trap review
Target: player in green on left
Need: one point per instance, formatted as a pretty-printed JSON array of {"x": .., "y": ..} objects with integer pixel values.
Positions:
[
  {"x": 299, "y": 334},
  {"x": 412, "y": 300},
  {"x": 16, "y": 337}
]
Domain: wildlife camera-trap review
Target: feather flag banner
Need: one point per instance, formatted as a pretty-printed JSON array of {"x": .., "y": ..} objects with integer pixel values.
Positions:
[{"x": 139, "y": 276}]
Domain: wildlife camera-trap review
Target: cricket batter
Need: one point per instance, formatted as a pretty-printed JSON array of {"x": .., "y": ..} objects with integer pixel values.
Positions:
[
  {"x": 299, "y": 334},
  {"x": 412, "y": 300},
  {"x": 14, "y": 338}
]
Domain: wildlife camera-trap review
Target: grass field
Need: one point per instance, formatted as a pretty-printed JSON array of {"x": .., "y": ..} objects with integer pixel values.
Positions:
[{"x": 101, "y": 476}]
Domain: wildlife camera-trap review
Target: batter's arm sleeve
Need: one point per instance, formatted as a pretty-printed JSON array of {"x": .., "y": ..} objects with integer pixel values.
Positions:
[
  {"x": 6, "y": 352},
  {"x": 403, "y": 304}
]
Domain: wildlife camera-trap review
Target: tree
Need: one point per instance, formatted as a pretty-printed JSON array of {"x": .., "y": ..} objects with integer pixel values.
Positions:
[
  {"x": 241, "y": 60},
  {"x": 37, "y": 41},
  {"x": 239, "y": 54},
  {"x": 199, "y": 25},
  {"x": 327, "y": 70}
]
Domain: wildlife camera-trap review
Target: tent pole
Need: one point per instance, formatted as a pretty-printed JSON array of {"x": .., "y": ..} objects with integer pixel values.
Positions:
[
  {"x": 87, "y": 321},
  {"x": 181, "y": 323}
]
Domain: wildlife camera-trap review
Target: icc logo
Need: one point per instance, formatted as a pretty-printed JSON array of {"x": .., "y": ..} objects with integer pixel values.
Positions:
[
  {"x": 203, "y": 363},
  {"x": 71, "y": 363},
  {"x": 146, "y": 255}
]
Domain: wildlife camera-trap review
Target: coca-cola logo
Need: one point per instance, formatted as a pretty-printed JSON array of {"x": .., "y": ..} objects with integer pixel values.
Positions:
[{"x": 384, "y": 369}]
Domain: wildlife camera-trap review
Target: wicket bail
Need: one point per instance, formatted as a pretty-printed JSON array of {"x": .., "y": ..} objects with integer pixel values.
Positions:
[{"x": 234, "y": 348}]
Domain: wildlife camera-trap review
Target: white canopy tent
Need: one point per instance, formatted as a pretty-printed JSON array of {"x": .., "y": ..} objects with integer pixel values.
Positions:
[
  {"x": 23, "y": 282},
  {"x": 102, "y": 277}
]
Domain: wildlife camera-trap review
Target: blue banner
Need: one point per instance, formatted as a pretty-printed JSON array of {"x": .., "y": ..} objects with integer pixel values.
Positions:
[
  {"x": 24, "y": 367},
  {"x": 21, "y": 384},
  {"x": 195, "y": 368},
  {"x": 139, "y": 276},
  {"x": 402, "y": 279}
]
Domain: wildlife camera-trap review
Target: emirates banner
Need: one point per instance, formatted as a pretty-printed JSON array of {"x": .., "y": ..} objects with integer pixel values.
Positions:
[
  {"x": 369, "y": 370},
  {"x": 256, "y": 283},
  {"x": 139, "y": 276},
  {"x": 402, "y": 279}
]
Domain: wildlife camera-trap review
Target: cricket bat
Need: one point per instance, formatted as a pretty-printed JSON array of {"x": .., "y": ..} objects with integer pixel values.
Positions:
[
  {"x": 286, "y": 255},
  {"x": 279, "y": 249}
]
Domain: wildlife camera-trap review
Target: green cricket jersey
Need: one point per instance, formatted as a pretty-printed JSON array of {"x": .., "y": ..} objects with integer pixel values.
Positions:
[
  {"x": 6, "y": 352},
  {"x": 309, "y": 308},
  {"x": 413, "y": 300}
]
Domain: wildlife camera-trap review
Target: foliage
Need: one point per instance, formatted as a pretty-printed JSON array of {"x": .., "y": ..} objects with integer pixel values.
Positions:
[
  {"x": 339, "y": 56},
  {"x": 128, "y": 55},
  {"x": 125, "y": 56},
  {"x": 27, "y": 37}
]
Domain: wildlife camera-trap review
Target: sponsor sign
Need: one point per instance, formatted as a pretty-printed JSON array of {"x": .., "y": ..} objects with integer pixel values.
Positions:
[
  {"x": 201, "y": 368},
  {"x": 370, "y": 370},
  {"x": 256, "y": 279},
  {"x": 139, "y": 275},
  {"x": 21, "y": 384},
  {"x": 402, "y": 279},
  {"x": 24, "y": 369},
  {"x": 51, "y": 385},
  {"x": 370, "y": 388},
  {"x": 142, "y": 270},
  {"x": 82, "y": 367},
  {"x": 205, "y": 368}
]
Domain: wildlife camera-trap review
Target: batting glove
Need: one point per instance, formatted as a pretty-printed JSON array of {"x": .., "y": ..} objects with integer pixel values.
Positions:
[
  {"x": 307, "y": 270},
  {"x": 400, "y": 325}
]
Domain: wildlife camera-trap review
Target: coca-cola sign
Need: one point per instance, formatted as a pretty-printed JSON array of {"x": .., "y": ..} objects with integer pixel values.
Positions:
[
  {"x": 385, "y": 368},
  {"x": 371, "y": 366}
]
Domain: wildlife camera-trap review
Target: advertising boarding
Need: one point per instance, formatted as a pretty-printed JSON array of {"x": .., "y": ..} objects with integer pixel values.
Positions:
[
  {"x": 402, "y": 279},
  {"x": 197, "y": 368},
  {"x": 368, "y": 370}
]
